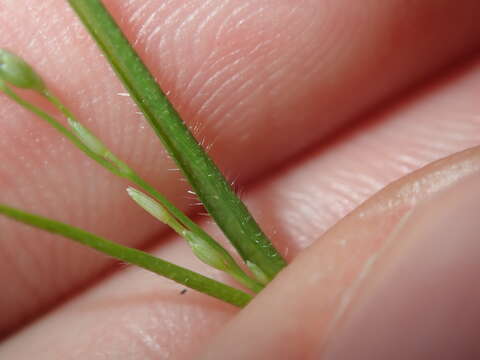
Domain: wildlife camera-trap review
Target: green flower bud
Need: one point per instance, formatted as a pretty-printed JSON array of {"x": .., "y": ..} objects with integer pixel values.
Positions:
[
  {"x": 87, "y": 138},
  {"x": 95, "y": 145},
  {"x": 217, "y": 258},
  {"x": 15, "y": 71},
  {"x": 149, "y": 205},
  {"x": 207, "y": 251}
]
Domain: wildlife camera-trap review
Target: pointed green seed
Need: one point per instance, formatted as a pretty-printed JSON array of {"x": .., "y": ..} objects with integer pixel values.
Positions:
[
  {"x": 208, "y": 254},
  {"x": 87, "y": 138},
  {"x": 15, "y": 71},
  {"x": 149, "y": 205},
  {"x": 207, "y": 251},
  {"x": 95, "y": 145}
]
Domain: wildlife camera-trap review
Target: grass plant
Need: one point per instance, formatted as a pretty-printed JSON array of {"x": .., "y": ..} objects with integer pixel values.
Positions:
[{"x": 225, "y": 207}]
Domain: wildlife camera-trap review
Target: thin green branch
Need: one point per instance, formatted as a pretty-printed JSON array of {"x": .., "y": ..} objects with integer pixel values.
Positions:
[
  {"x": 94, "y": 148},
  {"x": 59, "y": 127},
  {"x": 210, "y": 185},
  {"x": 205, "y": 248},
  {"x": 133, "y": 256}
]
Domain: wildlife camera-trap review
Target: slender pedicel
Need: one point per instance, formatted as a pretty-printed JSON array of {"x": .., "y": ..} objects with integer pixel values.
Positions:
[{"x": 205, "y": 248}]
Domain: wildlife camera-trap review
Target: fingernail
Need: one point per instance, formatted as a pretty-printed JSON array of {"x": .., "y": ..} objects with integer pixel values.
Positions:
[{"x": 423, "y": 301}]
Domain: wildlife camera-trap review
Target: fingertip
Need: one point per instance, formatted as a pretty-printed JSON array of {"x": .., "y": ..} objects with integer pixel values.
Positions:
[{"x": 421, "y": 302}]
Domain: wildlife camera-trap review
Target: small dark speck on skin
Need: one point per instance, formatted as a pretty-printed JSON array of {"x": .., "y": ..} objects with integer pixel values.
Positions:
[{"x": 183, "y": 291}]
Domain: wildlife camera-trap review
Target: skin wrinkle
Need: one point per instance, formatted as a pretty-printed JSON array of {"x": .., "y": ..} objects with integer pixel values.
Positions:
[
  {"x": 182, "y": 42},
  {"x": 438, "y": 178},
  {"x": 223, "y": 62},
  {"x": 161, "y": 43},
  {"x": 207, "y": 65},
  {"x": 227, "y": 84},
  {"x": 148, "y": 343},
  {"x": 447, "y": 129},
  {"x": 224, "y": 27},
  {"x": 174, "y": 44},
  {"x": 148, "y": 26},
  {"x": 232, "y": 103},
  {"x": 220, "y": 90},
  {"x": 210, "y": 17},
  {"x": 32, "y": 290},
  {"x": 138, "y": 13},
  {"x": 9, "y": 258},
  {"x": 351, "y": 293},
  {"x": 258, "y": 45}
]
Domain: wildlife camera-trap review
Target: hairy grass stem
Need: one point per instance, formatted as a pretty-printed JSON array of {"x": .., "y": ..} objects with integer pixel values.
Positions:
[{"x": 207, "y": 181}]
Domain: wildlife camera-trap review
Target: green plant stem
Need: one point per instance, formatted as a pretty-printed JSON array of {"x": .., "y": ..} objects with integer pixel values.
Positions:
[
  {"x": 126, "y": 172},
  {"x": 221, "y": 202},
  {"x": 133, "y": 256},
  {"x": 59, "y": 127},
  {"x": 237, "y": 272},
  {"x": 232, "y": 268},
  {"x": 131, "y": 175}
]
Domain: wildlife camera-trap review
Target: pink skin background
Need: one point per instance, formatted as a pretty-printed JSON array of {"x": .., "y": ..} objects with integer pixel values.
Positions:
[{"x": 310, "y": 107}]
